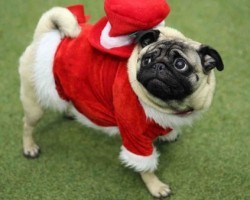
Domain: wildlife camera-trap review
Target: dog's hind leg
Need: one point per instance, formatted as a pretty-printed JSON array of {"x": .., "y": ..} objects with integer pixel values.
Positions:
[{"x": 33, "y": 112}]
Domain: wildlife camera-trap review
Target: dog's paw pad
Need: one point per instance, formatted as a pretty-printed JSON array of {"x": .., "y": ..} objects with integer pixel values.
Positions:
[{"x": 31, "y": 151}]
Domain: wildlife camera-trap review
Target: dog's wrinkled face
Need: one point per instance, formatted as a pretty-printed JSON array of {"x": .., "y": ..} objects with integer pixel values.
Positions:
[
  {"x": 173, "y": 72},
  {"x": 165, "y": 71}
]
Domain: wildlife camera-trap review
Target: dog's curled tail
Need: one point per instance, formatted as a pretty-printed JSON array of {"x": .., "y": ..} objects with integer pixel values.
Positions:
[{"x": 58, "y": 18}]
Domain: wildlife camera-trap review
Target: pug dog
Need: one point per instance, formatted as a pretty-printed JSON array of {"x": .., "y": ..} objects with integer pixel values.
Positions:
[{"x": 167, "y": 82}]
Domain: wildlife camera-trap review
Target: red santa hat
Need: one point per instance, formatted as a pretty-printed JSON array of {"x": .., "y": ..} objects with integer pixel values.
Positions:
[{"x": 112, "y": 33}]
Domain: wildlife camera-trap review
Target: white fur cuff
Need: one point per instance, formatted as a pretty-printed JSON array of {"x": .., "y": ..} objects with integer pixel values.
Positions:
[{"x": 137, "y": 162}]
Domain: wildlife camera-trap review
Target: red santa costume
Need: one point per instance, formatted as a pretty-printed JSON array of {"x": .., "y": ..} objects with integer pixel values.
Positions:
[{"x": 90, "y": 71}]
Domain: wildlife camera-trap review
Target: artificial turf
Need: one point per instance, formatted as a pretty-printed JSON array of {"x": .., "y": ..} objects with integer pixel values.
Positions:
[{"x": 210, "y": 161}]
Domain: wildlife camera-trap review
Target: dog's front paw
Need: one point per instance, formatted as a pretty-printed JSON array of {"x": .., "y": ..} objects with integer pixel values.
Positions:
[
  {"x": 155, "y": 186},
  {"x": 31, "y": 151},
  {"x": 159, "y": 189}
]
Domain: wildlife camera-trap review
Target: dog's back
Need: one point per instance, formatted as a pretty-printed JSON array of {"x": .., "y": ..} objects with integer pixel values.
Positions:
[{"x": 79, "y": 74}]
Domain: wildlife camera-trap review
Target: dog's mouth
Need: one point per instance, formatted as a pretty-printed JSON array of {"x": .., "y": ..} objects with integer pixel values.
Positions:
[
  {"x": 162, "y": 90},
  {"x": 165, "y": 90},
  {"x": 157, "y": 87},
  {"x": 184, "y": 113}
]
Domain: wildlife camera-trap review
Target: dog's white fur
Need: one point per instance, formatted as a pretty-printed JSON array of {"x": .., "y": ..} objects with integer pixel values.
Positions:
[
  {"x": 38, "y": 92},
  {"x": 43, "y": 78}
]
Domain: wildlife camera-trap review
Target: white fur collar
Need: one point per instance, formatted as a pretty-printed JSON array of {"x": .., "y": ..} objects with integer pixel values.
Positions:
[{"x": 168, "y": 120}]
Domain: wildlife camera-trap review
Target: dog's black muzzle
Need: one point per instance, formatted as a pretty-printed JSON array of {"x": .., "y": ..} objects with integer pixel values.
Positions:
[{"x": 165, "y": 77}]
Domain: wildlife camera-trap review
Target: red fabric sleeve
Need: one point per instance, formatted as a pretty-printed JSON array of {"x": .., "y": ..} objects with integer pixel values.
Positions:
[
  {"x": 137, "y": 131},
  {"x": 134, "y": 138}
]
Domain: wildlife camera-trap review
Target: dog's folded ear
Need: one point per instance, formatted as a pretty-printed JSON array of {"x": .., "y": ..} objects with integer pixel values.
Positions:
[
  {"x": 210, "y": 59},
  {"x": 145, "y": 38}
]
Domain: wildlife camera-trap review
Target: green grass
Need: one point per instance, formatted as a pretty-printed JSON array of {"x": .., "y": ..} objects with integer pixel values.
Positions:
[{"x": 209, "y": 162}]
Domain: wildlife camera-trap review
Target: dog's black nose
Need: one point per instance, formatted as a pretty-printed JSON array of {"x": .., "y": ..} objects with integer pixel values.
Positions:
[{"x": 159, "y": 67}]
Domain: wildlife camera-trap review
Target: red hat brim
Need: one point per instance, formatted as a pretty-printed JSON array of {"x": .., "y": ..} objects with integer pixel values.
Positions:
[{"x": 94, "y": 39}]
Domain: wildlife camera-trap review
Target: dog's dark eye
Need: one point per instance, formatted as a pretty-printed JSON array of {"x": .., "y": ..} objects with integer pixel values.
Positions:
[
  {"x": 146, "y": 61},
  {"x": 180, "y": 64}
]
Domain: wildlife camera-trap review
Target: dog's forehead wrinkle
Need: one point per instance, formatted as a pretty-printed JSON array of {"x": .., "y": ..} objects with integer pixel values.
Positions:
[{"x": 165, "y": 46}]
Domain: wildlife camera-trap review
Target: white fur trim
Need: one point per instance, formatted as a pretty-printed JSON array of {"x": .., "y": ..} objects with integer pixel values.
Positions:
[
  {"x": 137, "y": 162},
  {"x": 161, "y": 24},
  {"x": 113, "y": 130},
  {"x": 43, "y": 72},
  {"x": 109, "y": 42},
  {"x": 168, "y": 120},
  {"x": 112, "y": 42}
]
